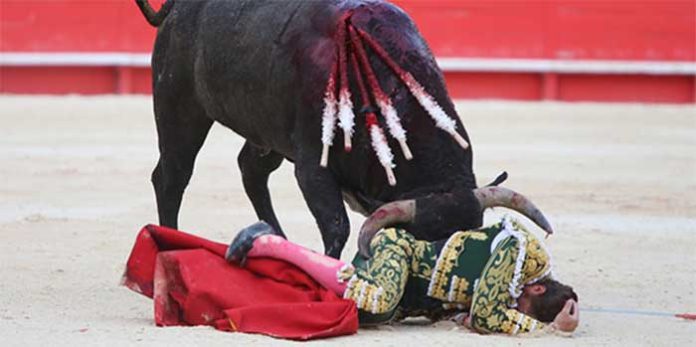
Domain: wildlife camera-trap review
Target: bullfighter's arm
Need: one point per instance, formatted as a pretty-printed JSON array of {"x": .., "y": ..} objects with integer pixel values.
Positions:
[{"x": 491, "y": 310}]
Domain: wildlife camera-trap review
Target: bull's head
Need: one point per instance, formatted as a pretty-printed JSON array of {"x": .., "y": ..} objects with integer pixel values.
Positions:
[
  {"x": 431, "y": 216},
  {"x": 446, "y": 212}
]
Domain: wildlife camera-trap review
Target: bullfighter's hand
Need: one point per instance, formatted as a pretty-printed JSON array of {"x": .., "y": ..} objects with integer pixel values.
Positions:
[{"x": 568, "y": 319}]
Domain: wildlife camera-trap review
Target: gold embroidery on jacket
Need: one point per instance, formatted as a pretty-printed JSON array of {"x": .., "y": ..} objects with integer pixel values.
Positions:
[
  {"x": 449, "y": 259},
  {"x": 423, "y": 256},
  {"x": 537, "y": 263},
  {"x": 490, "y": 310},
  {"x": 378, "y": 287},
  {"x": 457, "y": 292}
]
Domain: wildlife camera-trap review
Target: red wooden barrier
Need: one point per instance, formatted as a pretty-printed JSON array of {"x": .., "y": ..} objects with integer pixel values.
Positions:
[
  {"x": 559, "y": 29},
  {"x": 602, "y": 50}
]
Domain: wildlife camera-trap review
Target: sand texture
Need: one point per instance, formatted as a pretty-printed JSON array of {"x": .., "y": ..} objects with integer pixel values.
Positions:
[{"x": 617, "y": 181}]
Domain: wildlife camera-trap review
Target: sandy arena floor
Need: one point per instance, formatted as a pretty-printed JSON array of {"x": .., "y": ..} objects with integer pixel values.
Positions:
[{"x": 618, "y": 182}]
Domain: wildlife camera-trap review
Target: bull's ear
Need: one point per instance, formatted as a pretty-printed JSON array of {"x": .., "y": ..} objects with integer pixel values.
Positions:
[{"x": 499, "y": 180}]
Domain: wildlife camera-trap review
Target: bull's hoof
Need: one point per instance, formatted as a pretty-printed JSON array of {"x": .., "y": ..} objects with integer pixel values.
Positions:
[{"x": 242, "y": 243}]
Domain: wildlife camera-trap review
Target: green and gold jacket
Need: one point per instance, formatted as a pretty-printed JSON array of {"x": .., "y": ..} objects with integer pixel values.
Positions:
[{"x": 480, "y": 272}]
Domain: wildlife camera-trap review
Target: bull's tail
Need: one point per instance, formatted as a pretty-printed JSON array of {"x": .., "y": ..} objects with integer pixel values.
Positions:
[{"x": 155, "y": 18}]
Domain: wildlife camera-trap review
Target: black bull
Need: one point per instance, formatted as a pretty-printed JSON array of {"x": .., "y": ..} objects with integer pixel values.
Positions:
[{"x": 260, "y": 68}]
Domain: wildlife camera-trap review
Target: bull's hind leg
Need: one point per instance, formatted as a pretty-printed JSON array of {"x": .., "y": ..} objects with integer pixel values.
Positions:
[
  {"x": 256, "y": 164},
  {"x": 182, "y": 128}
]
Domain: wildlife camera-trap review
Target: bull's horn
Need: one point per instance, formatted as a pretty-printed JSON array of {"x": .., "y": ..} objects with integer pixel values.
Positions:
[
  {"x": 499, "y": 196},
  {"x": 402, "y": 211}
]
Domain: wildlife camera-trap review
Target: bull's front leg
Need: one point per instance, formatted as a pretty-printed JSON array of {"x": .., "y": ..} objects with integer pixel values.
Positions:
[{"x": 323, "y": 196}]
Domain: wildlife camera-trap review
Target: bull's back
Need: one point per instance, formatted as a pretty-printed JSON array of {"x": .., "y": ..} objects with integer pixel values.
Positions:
[
  {"x": 260, "y": 68},
  {"x": 242, "y": 62}
]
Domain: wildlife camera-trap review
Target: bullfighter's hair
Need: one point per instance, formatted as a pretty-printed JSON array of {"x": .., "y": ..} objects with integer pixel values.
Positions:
[{"x": 338, "y": 104}]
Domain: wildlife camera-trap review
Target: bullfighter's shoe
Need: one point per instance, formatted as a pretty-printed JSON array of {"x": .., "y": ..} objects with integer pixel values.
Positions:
[{"x": 242, "y": 243}]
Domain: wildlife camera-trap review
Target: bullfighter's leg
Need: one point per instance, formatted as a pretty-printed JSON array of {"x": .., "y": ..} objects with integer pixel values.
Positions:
[
  {"x": 376, "y": 285},
  {"x": 332, "y": 274},
  {"x": 256, "y": 164},
  {"x": 379, "y": 283},
  {"x": 261, "y": 240},
  {"x": 324, "y": 199},
  {"x": 182, "y": 129}
]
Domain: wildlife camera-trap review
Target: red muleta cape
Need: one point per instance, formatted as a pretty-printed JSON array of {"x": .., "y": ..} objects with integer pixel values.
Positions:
[{"x": 192, "y": 284}]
